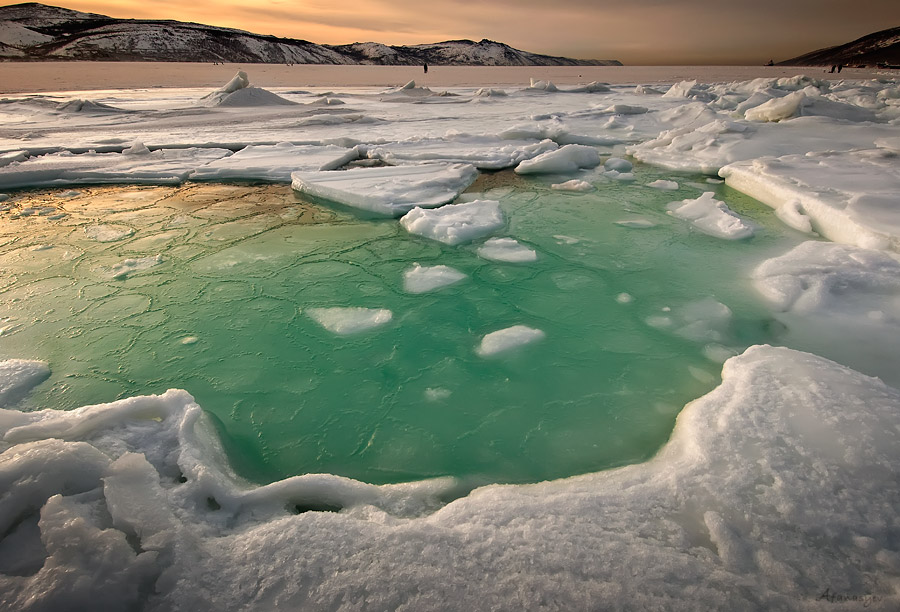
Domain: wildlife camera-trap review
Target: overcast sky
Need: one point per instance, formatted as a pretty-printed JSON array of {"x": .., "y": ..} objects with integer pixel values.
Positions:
[{"x": 633, "y": 31}]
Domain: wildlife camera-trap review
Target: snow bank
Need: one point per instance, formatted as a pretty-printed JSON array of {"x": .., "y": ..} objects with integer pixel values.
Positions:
[
  {"x": 789, "y": 485},
  {"x": 274, "y": 163},
  {"x": 455, "y": 223},
  {"x": 849, "y": 197},
  {"x": 345, "y": 321},
  {"x": 506, "y": 249},
  {"x": 712, "y": 217},
  {"x": 161, "y": 167},
  {"x": 567, "y": 159},
  {"x": 389, "y": 190},
  {"x": 507, "y": 339},
  {"x": 421, "y": 279}
]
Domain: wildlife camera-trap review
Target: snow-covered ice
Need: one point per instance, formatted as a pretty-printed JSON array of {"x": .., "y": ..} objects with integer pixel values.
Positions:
[
  {"x": 274, "y": 163},
  {"x": 575, "y": 185},
  {"x": 392, "y": 190},
  {"x": 712, "y": 216},
  {"x": 455, "y": 223},
  {"x": 18, "y": 376},
  {"x": 485, "y": 153},
  {"x": 564, "y": 160}
]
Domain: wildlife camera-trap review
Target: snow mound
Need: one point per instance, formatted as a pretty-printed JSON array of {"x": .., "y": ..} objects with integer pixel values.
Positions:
[
  {"x": 87, "y": 106},
  {"x": 421, "y": 279},
  {"x": 507, "y": 339},
  {"x": 455, "y": 223},
  {"x": 565, "y": 160},
  {"x": 238, "y": 93},
  {"x": 537, "y": 85},
  {"x": 506, "y": 249},
  {"x": 275, "y": 163},
  {"x": 346, "y": 321},
  {"x": 712, "y": 217},
  {"x": 392, "y": 190},
  {"x": 18, "y": 377},
  {"x": 618, "y": 164},
  {"x": 128, "y": 267},
  {"x": 778, "y": 109}
]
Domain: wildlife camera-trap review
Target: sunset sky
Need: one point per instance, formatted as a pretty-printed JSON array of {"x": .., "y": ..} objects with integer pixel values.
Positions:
[{"x": 633, "y": 31}]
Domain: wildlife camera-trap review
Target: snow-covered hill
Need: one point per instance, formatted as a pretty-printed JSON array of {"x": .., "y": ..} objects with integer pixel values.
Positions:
[
  {"x": 33, "y": 31},
  {"x": 878, "y": 48}
]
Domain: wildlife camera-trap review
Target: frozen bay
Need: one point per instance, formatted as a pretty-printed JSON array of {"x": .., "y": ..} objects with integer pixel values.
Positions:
[{"x": 316, "y": 374}]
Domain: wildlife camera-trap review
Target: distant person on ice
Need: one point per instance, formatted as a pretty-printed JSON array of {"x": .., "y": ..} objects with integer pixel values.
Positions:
[{"x": 425, "y": 67}]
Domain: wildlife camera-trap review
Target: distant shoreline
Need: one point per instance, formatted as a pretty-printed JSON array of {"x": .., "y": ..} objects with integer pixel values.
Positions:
[{"x": 48, "y": 77}]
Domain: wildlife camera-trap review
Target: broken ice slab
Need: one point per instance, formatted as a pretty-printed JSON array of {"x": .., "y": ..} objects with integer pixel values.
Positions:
[
  {"x": 484, "y": 152},
  {"x": 456, "y": 223},
  {"x": 274, "y": 163},
  {"x": 162, "y": 167},
  {"x": 393, "y": 190}
]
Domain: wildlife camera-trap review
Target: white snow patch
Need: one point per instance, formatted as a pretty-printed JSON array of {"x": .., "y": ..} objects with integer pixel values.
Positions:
[
  {"x": 664, "y": 185},
  {"x": 275, "y": 163},
  {"x": 564, "y": 160},
  {"x": 573, "y": 185}
]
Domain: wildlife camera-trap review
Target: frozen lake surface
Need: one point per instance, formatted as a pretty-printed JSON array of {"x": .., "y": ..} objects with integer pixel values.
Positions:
[{"x": 382, "y": 298}]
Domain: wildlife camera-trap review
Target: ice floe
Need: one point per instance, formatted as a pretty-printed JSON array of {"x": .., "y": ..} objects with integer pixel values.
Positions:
[
  {"x": 455, "y": 223},
  {"x": 573, "y": 185},
  {"x": 421, "y": 279},
  {"x": 351, "y": 320},
  {"x": 485, "y": 153},
  {"x": 504, "y": 340},
  {"x": 392, "y": 190},
  {"x": 712, "y": 216},
  {"x": 275, "y": 163},
  {"x": 18, "y": 376},
  {"x": 506, "y": 249},
  {"x": 564, "y": 160}
]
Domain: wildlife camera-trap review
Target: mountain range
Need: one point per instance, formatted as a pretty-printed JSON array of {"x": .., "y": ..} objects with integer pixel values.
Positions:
[
  {"x": 878, "y": 48},
  {"x": 33, "y": 31}
]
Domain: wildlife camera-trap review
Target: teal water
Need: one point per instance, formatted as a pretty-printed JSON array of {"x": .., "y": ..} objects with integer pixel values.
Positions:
[{"x": 221, "y": 316}]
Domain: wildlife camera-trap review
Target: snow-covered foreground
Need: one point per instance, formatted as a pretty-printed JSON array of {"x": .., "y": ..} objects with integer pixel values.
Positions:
[{"x": 777, "y": 490}]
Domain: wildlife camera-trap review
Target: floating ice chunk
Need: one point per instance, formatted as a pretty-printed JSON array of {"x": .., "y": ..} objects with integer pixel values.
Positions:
[
  {"x": 507, "y": 339},
  {"x": 664, "y": 185},
  {"x": 275, "y": 163},
  {"x": 18, "y": 377},
  {"x": 437, "y": 394},
  {"x": 455, "y": 223},
  {"x": 564, "y": 160},
  {"x": 390, "y": 190},
  {"x": 618, "y": 164},
  {"x": 712, "y": 217},
  {"x": 619, "y": 176},
  {"x": 718, "y": 353},
  {"x": 624, "y": 298},
  {"x": 705, "y": 320},
  {"x": 486, "y": 153},
  {"x": 107, "y": 232},
  {"x": 506, "y": 249},
  {"x": 345, "y": 321},
  {"x": 637, "y": 223},
  {"x": 420, "y": 279},
  {"x": 189, "y": 340},
  {"x": 778, "y": 109},
  {"x": 850, "y": 197},
  {"x": 128, "y": 267},
  {"x": 238, "y": 93},
  {"x": 573, "y": 185}
]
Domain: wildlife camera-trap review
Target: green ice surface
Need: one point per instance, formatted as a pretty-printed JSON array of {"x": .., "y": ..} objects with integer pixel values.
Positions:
[{"x": 222, "y": 316}]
